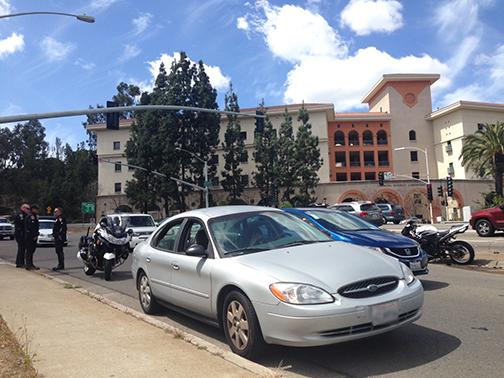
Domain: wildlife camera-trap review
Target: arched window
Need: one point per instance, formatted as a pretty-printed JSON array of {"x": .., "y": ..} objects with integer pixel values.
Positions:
[
  {"x": 381, "y": 137},
  {"x": 412, "y": 135},
  {"x": 339, "y": 138},
  {"x": 353, "y": 138},
  {"x": 367, "y": 138}
]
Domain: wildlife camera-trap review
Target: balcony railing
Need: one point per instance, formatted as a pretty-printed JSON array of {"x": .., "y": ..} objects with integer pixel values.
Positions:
[
  {"x": 353, "y": 142},
  {"x": 383, "y": 163},
  {"x": 355, "y": 164},
  {"x": 369, "y": 164},
  {"x": 382, "y": 141}
]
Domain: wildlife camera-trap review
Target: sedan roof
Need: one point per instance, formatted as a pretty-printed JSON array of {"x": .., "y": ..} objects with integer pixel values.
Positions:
[{"x": 218, "y": 211}]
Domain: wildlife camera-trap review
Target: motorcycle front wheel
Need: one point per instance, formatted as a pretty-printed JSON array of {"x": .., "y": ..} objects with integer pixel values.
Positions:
[
  {"x": 107, "y": 267},
  {"x": 461, "y": 252}
]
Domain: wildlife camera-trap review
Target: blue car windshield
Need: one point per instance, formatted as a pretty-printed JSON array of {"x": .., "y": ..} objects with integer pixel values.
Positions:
[
  {"x": 339, "y": 221},
  {"x": 243, "y": 233}
]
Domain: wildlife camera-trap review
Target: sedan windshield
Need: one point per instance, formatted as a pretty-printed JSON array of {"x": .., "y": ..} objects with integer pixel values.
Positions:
[
  {"x": 339, "y": 221},
  {"x": 242, "y": 233},
  {"x": 139, "y": 221}
]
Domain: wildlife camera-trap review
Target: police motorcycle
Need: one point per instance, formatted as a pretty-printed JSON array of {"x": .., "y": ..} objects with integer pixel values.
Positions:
[
  {"x": 441, "y": 244},
  {"x": 106, "y": 249}
]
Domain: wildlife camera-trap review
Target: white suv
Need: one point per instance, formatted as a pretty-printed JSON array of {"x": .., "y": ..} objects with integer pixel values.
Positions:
[
  {"x": 142, "y": 225},
  {"x": 365, "y": 209}
]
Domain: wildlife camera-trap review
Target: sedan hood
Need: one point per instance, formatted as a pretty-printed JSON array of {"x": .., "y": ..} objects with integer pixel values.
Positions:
[
  {"x": 327, "y": 265},
  {"x": 378, "y": 238}
]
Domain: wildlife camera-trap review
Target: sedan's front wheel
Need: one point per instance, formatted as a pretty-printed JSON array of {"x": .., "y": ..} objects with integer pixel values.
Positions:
[
  {"x": 147, "y": 300},
  {"x": 241, "y": 326}
]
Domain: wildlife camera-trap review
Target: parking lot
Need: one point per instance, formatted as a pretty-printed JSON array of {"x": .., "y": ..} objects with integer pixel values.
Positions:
[{"x": 460, "y": 334}]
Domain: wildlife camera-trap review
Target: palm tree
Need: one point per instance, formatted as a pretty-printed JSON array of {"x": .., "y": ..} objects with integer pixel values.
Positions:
[{"x": 480, "y": 149}]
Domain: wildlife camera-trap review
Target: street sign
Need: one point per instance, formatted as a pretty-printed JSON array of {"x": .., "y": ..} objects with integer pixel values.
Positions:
[{"x": 87, "y": 208}]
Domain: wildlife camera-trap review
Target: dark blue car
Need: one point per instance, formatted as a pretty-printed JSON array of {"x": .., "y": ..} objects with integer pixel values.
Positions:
[{"x": 348, "y": 228}]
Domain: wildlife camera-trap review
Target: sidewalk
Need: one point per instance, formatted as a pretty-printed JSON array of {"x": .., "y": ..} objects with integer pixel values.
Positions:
[{"x": 73, "y": 335}]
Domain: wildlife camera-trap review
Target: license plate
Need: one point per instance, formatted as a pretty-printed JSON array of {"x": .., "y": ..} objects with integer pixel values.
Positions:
[
  {"x": 415, "y": 265},
  {"x": 385, "y": 313}
]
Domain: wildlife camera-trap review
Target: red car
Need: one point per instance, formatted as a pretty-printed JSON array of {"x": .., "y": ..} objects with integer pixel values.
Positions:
[{"x": 487, "y": 221}]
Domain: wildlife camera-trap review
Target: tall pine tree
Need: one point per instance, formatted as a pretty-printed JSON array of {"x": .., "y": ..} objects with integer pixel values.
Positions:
[
  {"x": 287, "y": 163},
  {"x": 308, "y": 159},
  {"x": 267, "y": 175},
  {"x": 234, "y": 149}
]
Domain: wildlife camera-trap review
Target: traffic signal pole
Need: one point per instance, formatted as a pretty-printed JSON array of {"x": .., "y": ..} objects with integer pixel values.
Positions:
[{"x": 119, "y": 109}]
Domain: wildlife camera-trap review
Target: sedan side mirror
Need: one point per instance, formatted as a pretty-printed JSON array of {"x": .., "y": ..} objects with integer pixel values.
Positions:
[{"x": 196, "y": 250}]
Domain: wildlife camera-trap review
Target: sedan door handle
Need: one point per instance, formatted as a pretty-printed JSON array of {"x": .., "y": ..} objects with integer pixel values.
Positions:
[
  {"x": 175, "y": 266},
  {"x": 148, "y": 259}
]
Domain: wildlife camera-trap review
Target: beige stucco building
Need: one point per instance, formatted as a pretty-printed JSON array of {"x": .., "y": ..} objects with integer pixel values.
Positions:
[{"x": 354, "y": 147}]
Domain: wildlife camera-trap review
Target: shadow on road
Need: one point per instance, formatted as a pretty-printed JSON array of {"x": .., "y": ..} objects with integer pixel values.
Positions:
[
  {"x": 396, "y": 351},
  {"x": 430, "y": 285}
]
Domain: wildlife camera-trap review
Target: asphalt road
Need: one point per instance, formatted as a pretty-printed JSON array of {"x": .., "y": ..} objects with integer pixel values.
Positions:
[{"x": 460, "y": 334}]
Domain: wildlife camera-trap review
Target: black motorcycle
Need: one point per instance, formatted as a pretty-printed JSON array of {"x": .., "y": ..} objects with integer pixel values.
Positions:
[
  {"x": 441, "y": 244},
  {"x": 108, "y": 248}
]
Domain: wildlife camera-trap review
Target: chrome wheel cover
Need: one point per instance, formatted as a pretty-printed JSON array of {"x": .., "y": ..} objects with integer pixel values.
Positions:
[
  {"x": 145, "y": 292},
  {"x": 237, "y": 325},
  {"x": 484, "y": 227}
]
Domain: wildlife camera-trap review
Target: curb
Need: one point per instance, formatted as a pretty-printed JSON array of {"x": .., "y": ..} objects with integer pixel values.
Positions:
[{"x": 198, "y": 342}]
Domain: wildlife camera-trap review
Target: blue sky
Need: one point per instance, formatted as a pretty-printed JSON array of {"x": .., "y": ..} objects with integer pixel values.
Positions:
[{"x": 282, "y": 51}]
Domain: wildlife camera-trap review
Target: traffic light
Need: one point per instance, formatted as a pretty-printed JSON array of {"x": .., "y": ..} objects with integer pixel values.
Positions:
[
  {"x": 112, "y": 118},
  {"x": 440, "y": 191},
  {"x": 429, "y": 192},
  {"x": 259, "y": 121},
  {"x": 449, "y": 186},
  {"x": 381, "y": 178}
]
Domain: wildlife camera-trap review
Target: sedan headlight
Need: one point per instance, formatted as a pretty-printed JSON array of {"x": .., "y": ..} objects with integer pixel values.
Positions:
[
  {"x": 296, "y": 293},
  {"x": 409, "y": 277}
]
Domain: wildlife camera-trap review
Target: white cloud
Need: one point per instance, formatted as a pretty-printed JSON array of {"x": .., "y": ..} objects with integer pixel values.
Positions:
[
  {"x": 129, "y": 52},
  {"x": 88, "y": 66},
  {"x": 141, "y": 23},
  {"x": 11, "y": 44},
  {"x": 101, "y": 5},
  {"x": 293, "y": 33},
  {"x": 242, "y": 23},
  {"x": 369, "y": 16},
  {"x": 55, "y": 50},
  {"x": 489, "y": 87},
  {"x": 324, "y": 71},
  {"x": 218, "y": 80},
  {"x": 5, "y": 7},
  {"x": 456, "y": 18}
]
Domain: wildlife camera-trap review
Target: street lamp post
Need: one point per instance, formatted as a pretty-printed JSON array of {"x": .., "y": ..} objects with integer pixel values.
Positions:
[
  {"x": 205, "y": 170},
  {"x": 80, "y": 17},
  {"x": 427, "y": 170}
]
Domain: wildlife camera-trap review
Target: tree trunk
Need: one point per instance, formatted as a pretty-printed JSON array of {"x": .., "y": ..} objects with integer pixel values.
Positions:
[{"x": 498, "y": 182}]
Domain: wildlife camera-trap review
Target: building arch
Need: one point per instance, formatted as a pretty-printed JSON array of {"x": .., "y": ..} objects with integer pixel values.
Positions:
[
  {"x": 353, "y": 138},
  {"x": 412, "y": 135},
  {"x": 352, "y": 195},
  {"x": 367, "y": 138},
  {"x": 339, "y": 138},
  {"x": 381, "y": 137},
  {"x": 390, "y": 196}
]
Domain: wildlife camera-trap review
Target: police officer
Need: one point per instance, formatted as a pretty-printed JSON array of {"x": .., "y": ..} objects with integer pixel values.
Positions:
[
  {"x": 60, "y": 237},
  {"x": 19, "y": 227},
  {"x": 32, "y": 232}
]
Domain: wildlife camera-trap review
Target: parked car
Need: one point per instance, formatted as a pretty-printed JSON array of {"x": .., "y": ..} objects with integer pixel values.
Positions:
[
  {"x": 364, "y": 209},
  {"x": 391, "y": 213},
  {"x": 265, "y": 276},
  {"x": 487, "y": 221},
  {"x": 6, "y": 229},
  {"x": 351, "y": 229},
  {"x": 142, "y": 225},
  {"x": 46, "y": 225}
]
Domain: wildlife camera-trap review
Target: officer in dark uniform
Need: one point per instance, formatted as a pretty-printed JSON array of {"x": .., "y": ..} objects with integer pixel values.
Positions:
[
  {"x": 19, "y": 227},
  {"x": 60, "y": 237},
  {"x": 32, "y": 232}
]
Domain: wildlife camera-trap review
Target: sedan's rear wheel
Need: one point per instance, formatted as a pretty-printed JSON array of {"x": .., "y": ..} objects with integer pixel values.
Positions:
[
  {"x": 241, "y": 326},
  {"x": 147, "y": 300},
  {"x": 484, "y": 228}
]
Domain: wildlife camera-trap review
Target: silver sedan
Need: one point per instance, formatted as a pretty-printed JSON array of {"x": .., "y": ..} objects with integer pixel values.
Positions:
[{"x": 266, "y": 277}]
